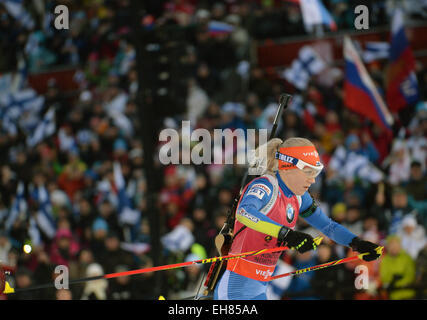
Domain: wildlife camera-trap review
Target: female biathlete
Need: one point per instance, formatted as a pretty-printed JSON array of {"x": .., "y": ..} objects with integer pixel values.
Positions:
[{"x": 266, "y": 216}]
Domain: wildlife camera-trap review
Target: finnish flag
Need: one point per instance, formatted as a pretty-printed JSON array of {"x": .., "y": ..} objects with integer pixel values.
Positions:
[
  {"x": 18, "y": 108},
  {"x": 105, "y": 193},
  {"x": 350, "y": 165},
  {"x": 44, "y": 129},
  {"x": 17, "y": 10},
  {"x": 122, "y": 122},
  {"x": 34, "y": 232},
  {"x": 44, "y": 216},
  {"x": 376, "y": 50},
  {"x": 6, "y": 81},
  {"x": 304, "y": 67},
  {"x": 13, "y": 82},
  {"x": 21, "y": 101},
  {"x": 9, "y": 126},
  {"x": 180, "y": 239},
  {"x": 315, "y": 13},
  {"x": 19, "y": 207}
]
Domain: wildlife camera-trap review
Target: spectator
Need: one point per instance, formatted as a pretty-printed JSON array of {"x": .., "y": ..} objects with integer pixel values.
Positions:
[
  {"x": 331, "y": 284},
  {"x": 368, "y": 147},
  {"x": 378, "y": 204},
  {"x": 400, "y": 162},
  {"x": 180, "y": 238},
  {"x": 421, "y": 273},
  {"x": 144, "y": 233},
  {"x": 108, "y": 214},
  {"x": 24, "y": 279},
  {"x": 300, "y": 287},
  {"x": 78, "y": 269},
  {"x": 339, "y": 212},
  {"x": 99, "y": 121},
  {"x": 400, "y": 208},
  {"x": 203, "y": 194},
  {"x": 64, "y": 248},
  {"x": 113, "y": 256},
  {"x": 347, "y": 164},
  {"x": 193, "y": 275},
  {"x": 207, "y": 79},
  {"x": 363, "y": 146},
  {"x": 100, "y": 230},
  {"x": 146, "y": 281},
  {"x": 353, "y": 220},
  {"x": 416, "y": 189},
  {"x": 260, "y": 85},
  {"x": 71, "y": 179},
  {"x": 21, "y": 167},
  {"x": 122, "y": 288},
  {"x": 44, "y": 273},
  {"x": 8, "y": 183},
  {"x": 86, "y": 217},
  {"x": 417, "y": 144},
  {"x": 204, "y": 231},
  {"x": 39, "y": 57},
  {"x": 64, "y": 294},
  {"x": 412, "y": 235},
  {"x": 5, "y": 247},
  {"x": 197, "y": 101},
  {"x": 397, "y": 270},
  {"x": 97, "y": 289},
  {"x": 370, "y": 227}
]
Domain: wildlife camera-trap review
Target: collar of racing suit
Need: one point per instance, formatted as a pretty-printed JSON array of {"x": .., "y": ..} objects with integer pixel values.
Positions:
[{"x": 286, "y": 191}]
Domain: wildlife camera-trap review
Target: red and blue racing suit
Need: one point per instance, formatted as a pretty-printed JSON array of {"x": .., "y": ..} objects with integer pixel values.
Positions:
[{"x": 266, "y": 205}]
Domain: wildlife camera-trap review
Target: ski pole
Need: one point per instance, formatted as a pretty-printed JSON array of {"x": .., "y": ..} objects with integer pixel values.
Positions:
[
  {"x": 324, "y": 265},
  {"x": 160, "y": 268}
]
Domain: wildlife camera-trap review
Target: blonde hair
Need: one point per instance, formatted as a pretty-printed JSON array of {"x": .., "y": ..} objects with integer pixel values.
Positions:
[{"x": 272, "y": 146}]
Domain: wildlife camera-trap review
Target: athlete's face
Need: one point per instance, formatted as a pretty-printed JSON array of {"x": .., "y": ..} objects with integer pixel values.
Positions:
[{"x": 297, "y": 180}]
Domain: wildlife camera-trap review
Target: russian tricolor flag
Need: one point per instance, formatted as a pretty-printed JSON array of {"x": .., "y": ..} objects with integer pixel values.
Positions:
[
  {"x": 219, "y": 28},
  {"x": 360, "y": 93},
  {"x": 401, "y": 81}
]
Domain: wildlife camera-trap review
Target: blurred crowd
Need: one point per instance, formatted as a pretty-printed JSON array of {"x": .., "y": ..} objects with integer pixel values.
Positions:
[{"x": 68, "y": 212}]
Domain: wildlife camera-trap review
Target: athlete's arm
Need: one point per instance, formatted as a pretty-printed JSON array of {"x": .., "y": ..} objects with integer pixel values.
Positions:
[
  {"x": 257, "y": 195},
  {"x": 319, "y": 220}
]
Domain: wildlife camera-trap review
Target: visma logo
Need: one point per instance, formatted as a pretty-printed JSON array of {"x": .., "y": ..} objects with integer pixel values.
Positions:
[
  {"x": 313, "y": 153},
  {"x": 264, "y": 273}
]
